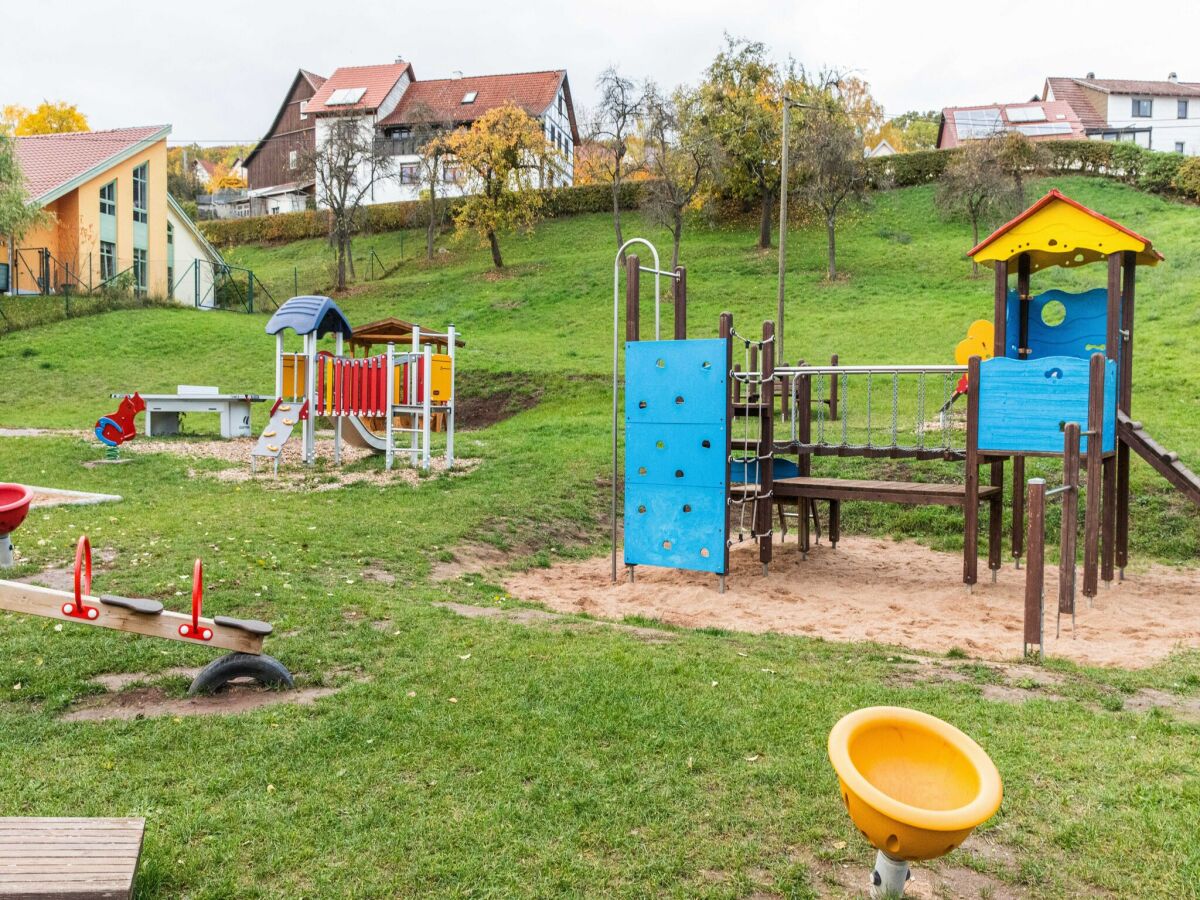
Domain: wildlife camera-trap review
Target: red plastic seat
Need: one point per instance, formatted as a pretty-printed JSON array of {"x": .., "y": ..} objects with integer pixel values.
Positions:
[{"x": 14, "y": 506}]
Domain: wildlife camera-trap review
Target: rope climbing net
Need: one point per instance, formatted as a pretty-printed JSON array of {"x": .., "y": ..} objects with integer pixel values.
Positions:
[{"x": 746, "y": 466}]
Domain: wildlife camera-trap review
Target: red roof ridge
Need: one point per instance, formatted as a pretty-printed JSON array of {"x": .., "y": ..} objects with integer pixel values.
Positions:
[
  {"x": 496, "y": 75},
  {"x": 1056, "y": 194},
  {"x": 96, "y": 131}
]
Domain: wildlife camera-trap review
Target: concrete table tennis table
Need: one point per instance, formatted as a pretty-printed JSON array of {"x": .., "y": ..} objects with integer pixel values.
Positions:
[{"x": 162, "y": 410}]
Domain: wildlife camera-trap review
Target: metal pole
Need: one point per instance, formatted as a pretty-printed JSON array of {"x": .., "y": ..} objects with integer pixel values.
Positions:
[
  {"x": 389, "y": 452},
  {"x": 451, "y": 338},
  {"x": 337, "y": 420}
]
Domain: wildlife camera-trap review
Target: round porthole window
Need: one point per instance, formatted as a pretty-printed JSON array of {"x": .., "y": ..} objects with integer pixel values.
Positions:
[{"x": 1054, "y": 313}]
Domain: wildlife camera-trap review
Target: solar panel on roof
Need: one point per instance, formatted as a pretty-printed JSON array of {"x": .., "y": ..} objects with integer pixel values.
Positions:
[
  {"x": 977, "y": 123},
  {"x": 345, "y": 96},
  {"x": 1026, "y": 114},
  {"x": 1044, "y": 128}
]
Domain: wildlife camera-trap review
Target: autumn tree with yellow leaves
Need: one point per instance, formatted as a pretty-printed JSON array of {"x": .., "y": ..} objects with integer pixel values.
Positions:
[
  {"x": 500, "y": 156},
  {"x": 45, "y": 118}
]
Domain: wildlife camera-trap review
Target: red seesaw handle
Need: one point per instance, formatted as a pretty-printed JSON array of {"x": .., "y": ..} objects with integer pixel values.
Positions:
[
  {"x": 194, "y": 629},
  {"x": 83, "y": 582}
]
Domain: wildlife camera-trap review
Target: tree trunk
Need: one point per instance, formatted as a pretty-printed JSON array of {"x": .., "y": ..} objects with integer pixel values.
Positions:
[
  {"x": 431, "y": 230},
  {"x": 676, "y": 234},
  {"x": 616, "y": 195},
  {"x": 341, "y": 265},
  {"x": 831, "y": 244},
  {"x": 497, "y": 261},
  {"x": 974, "y": 243},
  {"x": 764, "y": 224},
  {"x": 350, "y": 259}
]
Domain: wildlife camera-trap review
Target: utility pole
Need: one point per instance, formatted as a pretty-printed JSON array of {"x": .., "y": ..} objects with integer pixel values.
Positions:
[{"x": 788, "y": 103}]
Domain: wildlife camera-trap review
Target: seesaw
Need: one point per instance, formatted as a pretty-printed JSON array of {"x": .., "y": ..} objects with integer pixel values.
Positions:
[
  {"x": 244, "y": 637},
  {"x": 915, "y": 787}
]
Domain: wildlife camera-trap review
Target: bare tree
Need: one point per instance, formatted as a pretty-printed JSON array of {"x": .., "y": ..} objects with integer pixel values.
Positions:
[
  {"x": 429, "y": 133},
  {"x": 616, "y": 119},
  {"x": 977, "y": 187},
  {"x": 832, "y": 168},
  {"x": 680, "y": 157},
  {"x": 346, "y": 164}
]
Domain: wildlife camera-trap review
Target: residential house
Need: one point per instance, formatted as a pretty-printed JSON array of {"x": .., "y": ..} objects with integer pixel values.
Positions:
[
  {"x": 1157, "y": 115},
  {"x": 273, "y": 168},
  {"x": 392, "y": 105},
  {"x": 883, "y": 148},
  {"x": 205, "y": 170},
  {"x": 110, "y": 217},
  {"x": 1051, "y": 120}
]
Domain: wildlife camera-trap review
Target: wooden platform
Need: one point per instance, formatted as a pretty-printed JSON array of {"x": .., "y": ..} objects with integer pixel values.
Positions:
[
  {"x": 69, "y": 859},
  {"x": 879, "y": 491}
]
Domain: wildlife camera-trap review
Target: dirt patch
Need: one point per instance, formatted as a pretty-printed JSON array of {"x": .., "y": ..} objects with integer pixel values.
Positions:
[
  {"x": 148, "y": 702},
  {"x": 378, "y": 574},
  {"x": 294, "y": 475},
  {"x": 893, "y": 592},
  {"x": 490, "y": 397},
  {"x": 939, "y": 880},
  {"x": 1186, "y": 709},
  {"x": 40, "y": 432},
  {"x": 472, "y": 559},
  {"x": 45, "y": 497},
  {"x": 116, "y": 681},
  {"x": 62, "y": 578},
  {"x": 523, "y": 615}
]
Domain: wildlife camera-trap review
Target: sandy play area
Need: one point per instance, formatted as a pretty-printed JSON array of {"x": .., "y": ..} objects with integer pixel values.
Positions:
[{"x": 891, "y": 592}]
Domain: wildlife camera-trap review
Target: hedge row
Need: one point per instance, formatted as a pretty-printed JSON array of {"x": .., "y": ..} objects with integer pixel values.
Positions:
[
  {"x": 1149, "y": 170},
  {"x": 403, "y": 214}
]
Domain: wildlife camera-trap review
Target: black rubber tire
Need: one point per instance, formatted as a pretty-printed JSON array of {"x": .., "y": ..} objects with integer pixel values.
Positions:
[{"x": 266, "y": 670}]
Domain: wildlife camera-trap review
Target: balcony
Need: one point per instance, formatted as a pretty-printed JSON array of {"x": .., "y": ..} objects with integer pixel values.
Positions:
[{"x": 406, "y": 146}]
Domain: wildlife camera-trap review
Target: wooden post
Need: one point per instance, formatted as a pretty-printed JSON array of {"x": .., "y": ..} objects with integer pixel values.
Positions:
[
  {"x": 1091, "y": 514},
  {"x": 1018, "y": 510},
  {"x": 1112, "y": 350},
  {"x": 804, "y": 461},
  {"x": 1000, "y": 307},
  {"x": 996, "y": 517},
  {"x": 1124, "y": 404},
  {"x": 971, "y": 501},
  {"x": 633, "y": 288},
  {"x": 1070, "y": 519},
  {"x": 1023, "y": 266},
  {"x": 835, "y": 522},
  {"x": 680, "y": 293},
  {"x": 1035, "y": 573},
  {"x": 766, "y": 443},
  {"x": 725, "y": 331},
  {"x": 833, "y": 390}
]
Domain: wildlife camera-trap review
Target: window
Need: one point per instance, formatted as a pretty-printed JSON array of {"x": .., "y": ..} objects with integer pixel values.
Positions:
[
  {"x": 1179, "y": 146},
  {"x": 139, "y": 269},
  {"x": 108, "y": 199},
  {"x": 469, "y": 96},
  {"x": 303, "y": 110},
  {"x": 108, "y": 260},
  {"x": 140, "y": 178},
  {"x": 562, "y": 105},
  {"x": 170, "y": 235},
  {"x": 1181, "y": 110},
  {"x": 408, "y": 175},
  {"x": 1142, "y": 109},
  {"x": 450, "y": 173},
  {"x": 293, "y": 158}
]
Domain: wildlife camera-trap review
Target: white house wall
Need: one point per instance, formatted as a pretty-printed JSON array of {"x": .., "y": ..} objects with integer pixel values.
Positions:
[
  {"x": 187, "y": 250},
  {"x": 1167, "y": 129}
]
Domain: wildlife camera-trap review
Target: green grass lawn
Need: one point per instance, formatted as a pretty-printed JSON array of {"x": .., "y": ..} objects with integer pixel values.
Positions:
[{"x": 576, "y": 761}]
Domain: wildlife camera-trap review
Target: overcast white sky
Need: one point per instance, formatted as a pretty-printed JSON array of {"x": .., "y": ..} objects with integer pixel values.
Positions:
[{"x": 217, "y": 72}]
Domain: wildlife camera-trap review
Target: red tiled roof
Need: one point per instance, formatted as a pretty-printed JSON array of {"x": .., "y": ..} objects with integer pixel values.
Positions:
[
  {"x": 208, "y": 166},
  {"x": 1070, "y": 90},
  {"x": 534, "y": 92},
  {"x": 376, "y": 80},
  {"x": 1140, "y": 86},
  {"x": 1058, "y": 112},
  {"x": 49, "y": 161},
  {"x": 313, "y": 79}
]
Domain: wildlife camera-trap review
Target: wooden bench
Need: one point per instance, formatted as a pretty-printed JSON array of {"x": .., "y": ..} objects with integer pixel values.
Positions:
[{"x": 69, "y": 859}]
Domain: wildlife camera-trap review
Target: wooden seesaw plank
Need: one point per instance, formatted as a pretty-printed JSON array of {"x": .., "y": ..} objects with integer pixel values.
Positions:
[
  {"x": 34, "y": 600},
  {"x": 89, "y": 874}
]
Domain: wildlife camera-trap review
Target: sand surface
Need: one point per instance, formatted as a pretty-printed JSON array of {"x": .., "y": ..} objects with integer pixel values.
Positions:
[{"x": 892, "y": 592}]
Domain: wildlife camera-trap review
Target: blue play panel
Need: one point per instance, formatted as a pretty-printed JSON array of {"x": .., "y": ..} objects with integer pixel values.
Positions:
[
  {"x": 1023, "y": 403},
  {"x": 676, "y": 434}
]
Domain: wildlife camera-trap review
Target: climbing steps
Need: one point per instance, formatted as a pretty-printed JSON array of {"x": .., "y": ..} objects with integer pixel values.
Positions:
[
  {"x": 284, "y": 418},
  {"x": 1162, "y": 460}
]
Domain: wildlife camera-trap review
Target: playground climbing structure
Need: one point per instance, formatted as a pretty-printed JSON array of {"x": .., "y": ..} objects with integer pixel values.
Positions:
[{"x": 390, "y": 402}]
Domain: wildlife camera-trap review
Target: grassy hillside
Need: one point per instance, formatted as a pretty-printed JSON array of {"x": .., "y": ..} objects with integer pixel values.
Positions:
[{"x": 573, "y": 760}]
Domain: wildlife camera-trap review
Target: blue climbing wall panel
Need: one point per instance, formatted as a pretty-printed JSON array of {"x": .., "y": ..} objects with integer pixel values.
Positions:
[
  {"x": 1081, "y": 332},
  {"x": 676, "y": 437},
  {"x": 1022, "y": 403}
]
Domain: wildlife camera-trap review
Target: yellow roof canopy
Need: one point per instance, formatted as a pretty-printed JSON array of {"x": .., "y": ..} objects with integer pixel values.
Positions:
[{"x": 1058, "y": 231}]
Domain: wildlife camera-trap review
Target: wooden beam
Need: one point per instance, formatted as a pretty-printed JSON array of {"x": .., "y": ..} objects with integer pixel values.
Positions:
[
  {"x": 1018, "y": 508},
  {"x": 766, "y": 426},
  {"x": 1070, "y": 519},
  {"x": 1124, "y": 405},
  {"x": 804, "y": 463},
  {"x": 633, "y": 293},
  {"x": 679, "y": 290},
  {"x": 1091, "y": 513},
  {"x": 1036, "y": 572},
  {"x": 33, "y": 600},
  {"x": 1000, "y": 307},
  {"x": 1023, "y": 267}
]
